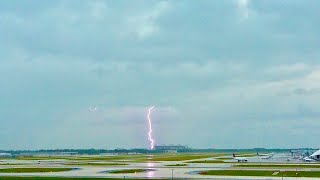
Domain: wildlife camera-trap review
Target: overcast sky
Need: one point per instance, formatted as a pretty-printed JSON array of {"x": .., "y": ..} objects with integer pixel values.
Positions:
[{"x": 222, "y": 74}]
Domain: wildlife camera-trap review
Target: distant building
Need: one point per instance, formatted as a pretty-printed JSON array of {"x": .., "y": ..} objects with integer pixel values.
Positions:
[
  {"x": 67, "y": 153},
  {"x": 170, "y": 148},
  {"x": 171, "y": 151},
  {"x": 5, "y": 155},
  {"x": 39, "y": 154}
]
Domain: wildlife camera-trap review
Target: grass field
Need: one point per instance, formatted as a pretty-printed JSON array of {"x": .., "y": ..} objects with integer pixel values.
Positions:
[
  {"x": 79, "y": 158},
  {"x": 10, "y": 164},
  {"x": 300, "y": 174},
  {"x": 207, "y": 161},
  {"x": 128, "y": 158},
  {"x": 246, "y": 155},
  {"x": 95, "y": 164},
  {"x": 170, "y": 157},
  {"x": 262, "y": 173},
  {"x": 83, "y": 158},
  {"x": 278, "y": 165},
  {"x": 237, "y": 173},
  {"x": 33, "y": 170},
  {"x": 42, "y": 158},
  {"x": 224, "y": 158},
  {"x": 58, "y": 178},
  {"x": 127, "y": 171},
  {"x": 179, "y": 157}
]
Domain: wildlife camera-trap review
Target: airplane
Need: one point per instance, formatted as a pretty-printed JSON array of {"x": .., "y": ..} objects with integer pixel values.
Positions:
[
  {"x": 240, "y": 159},
  {"x": 313, "y": 157},
  {"x": 308, "y": 159},
  {"x": 265, "y": 156}
]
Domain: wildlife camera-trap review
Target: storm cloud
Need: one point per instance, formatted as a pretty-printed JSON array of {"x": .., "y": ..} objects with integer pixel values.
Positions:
[{"x": 211, "y": 68}]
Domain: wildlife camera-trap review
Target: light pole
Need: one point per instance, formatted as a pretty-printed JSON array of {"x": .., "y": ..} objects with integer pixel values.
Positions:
[{"x": 171, "y": 173}]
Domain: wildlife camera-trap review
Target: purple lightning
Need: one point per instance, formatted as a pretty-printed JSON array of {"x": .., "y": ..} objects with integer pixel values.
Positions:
[{"x": 150, "y": 128}]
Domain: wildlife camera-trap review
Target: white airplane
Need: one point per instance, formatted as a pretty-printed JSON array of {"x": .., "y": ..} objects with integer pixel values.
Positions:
[
  {"x": 265, "y": 156},
  {"x": 240, "y": 159},
  {"x": 308, "y": 159},
  {"x": 313, "y": 157}
]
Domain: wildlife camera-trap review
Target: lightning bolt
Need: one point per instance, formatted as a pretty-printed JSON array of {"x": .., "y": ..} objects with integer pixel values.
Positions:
[{"x": 150, "y": 128}]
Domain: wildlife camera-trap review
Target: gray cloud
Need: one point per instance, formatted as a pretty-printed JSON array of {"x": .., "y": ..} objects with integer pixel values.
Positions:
[
  {"x": 211, "y": 67},
  {"x": 301, "y": 91}
]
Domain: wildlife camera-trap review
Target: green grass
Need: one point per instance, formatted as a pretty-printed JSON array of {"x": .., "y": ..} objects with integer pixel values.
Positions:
[
  {"x": 180, "y": 157},
  {"x": 82, "y": 158},
  {"x": 58, "y": 178},
  {"x": 300, "y": 174},
  {"x": 113, "y": 158},
  {"x": 237, "y": 173},
  {"x": 278, "y": 165},
  {"x": 172, "y": 157},
  {"x": 95, "y": 164},
  {"x": 33, "y": 170},
  {"x": 128, "y": 158},
  {"x": 125, "y": 171},
  {"x": 246, "y": 155},
  {"x": 262, "y": 173},
  {"x": 40, "y": 158},
  {"x": 10, "y": 164},
  {"x": 224, "y": 158},
  {"x": 207, "y": 161},
  {"x": 176, "y": 165},
  {"x": 76, "y": 158}
]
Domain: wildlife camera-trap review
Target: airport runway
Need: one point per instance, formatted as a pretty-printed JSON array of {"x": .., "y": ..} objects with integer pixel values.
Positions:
[
  {"x": 159, "y": 170},
  {"x": 159, "y": 173}
]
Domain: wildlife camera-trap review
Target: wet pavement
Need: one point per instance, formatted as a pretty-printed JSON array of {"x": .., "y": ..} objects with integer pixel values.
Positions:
[{"x": 158, "y": 170}]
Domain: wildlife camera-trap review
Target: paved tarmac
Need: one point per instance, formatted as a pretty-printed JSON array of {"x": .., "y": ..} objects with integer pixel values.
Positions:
[{"x": 159, "y": 170}]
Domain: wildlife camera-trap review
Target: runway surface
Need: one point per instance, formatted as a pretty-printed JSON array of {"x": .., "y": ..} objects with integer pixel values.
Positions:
[{"x": 159, "y": 170}]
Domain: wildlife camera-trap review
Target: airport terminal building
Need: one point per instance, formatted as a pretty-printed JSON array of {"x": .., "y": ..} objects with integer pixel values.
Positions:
[{"x": 170, "y": 147}]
